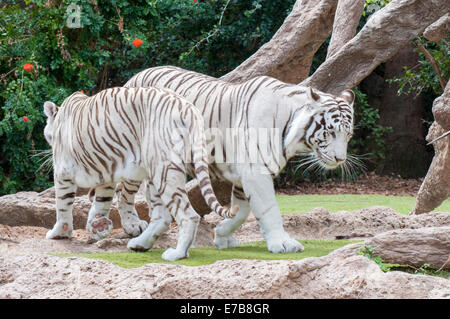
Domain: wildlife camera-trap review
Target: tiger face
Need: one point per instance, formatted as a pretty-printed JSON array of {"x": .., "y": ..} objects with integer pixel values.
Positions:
[
  {"x": 331, "y": 128},
  {"x": 323, "y": 128}
]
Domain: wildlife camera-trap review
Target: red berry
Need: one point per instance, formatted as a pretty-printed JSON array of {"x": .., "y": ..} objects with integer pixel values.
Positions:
[{"x": 26, "y": 119}]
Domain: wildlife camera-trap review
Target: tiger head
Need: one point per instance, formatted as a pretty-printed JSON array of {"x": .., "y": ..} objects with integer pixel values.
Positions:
[
  {"x": 50, "y": 110},
  {"x": 327, "y": 129}
]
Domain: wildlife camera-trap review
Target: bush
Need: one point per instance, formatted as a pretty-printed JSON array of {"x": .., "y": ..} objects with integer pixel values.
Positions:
[
  {"x": 422, "y": 78},
  {"x": 100, "y": 54}
]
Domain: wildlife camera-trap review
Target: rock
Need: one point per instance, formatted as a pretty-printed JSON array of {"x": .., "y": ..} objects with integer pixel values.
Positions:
[
  {"x": 341, "y": 274},
  {"x": 414, "y": 247},
  {"x": 367, "y": 222},
  {"x": 50, "y": 192},
  {"x": 29, "y": 208},
  {"x": 38, "y": 209},
  {"x": 108, "y": 243}
]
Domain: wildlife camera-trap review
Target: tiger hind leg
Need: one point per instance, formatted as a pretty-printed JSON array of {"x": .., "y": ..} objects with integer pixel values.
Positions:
[
  {"x": 131, "y": 223},
  {"x": 173, "y": 195},
  {"x": 99, "y": 225},
  {"x": 159, "y": 222},
  {"x": 223, "y": 233}
]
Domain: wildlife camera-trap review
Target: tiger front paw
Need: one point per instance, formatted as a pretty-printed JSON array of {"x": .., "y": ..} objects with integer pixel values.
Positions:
[
  {"x": 222, "y": 242},
  {"x": 284, "y": 244},
  {"x": 61, "y": 230},
  {"x": 172, "y": 254},
  {"x": 134, "y": 227}
]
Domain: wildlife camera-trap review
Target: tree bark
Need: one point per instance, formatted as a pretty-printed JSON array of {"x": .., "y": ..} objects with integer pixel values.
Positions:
[
  {"x": 346, "y": 20},
  {"x": 288, "y": 55},
  {"x": 438, "y": 30},
  {"x": 435, "y": 187},
  {"x": 387, "y": 31}
]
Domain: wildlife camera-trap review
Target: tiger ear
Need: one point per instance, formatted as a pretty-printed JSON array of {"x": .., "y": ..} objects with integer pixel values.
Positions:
[
  {"x": 312, "y": 95},
  {"x": 50, "y": 109},
  {"x": 348, "y": 96}
]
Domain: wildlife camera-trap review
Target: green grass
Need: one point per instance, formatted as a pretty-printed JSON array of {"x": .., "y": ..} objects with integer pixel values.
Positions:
[
  {"x": 368, "y": 251},
  {"x": 333, "y": 203},
  {"x": 424, "y": 270},
  {"x": 258, "y": 250},
  {"x": 208, "y": 255}
]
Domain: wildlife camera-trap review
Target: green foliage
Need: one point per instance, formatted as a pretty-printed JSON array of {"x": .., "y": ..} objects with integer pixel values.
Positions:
[
  {"x": 423, "y": 77},
  {"x": 425, "y": 269},
  {"x": 368, "y": 134},
  {"x": 100, "y": 54},
  {"x": 369, "y": 252},
  {"x": 371, "y": 6}
]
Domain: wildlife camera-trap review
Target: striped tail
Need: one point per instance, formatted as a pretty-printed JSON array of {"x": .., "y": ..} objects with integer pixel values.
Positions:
[{"x": 202, "y": 172}]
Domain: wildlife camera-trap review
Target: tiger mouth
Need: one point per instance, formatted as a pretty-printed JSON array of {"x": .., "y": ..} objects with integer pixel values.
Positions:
[{"x": 327, "y": 162}]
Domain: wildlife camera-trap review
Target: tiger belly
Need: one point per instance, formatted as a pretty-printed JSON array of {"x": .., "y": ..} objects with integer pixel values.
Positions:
[{"x": 131, "y": 171}]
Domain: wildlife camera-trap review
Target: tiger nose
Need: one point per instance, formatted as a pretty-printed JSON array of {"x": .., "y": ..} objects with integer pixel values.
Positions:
[{"x": 338, "y": 159}]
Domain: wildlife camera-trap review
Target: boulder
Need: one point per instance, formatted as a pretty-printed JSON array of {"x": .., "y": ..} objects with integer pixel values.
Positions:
[
  {"x": 38, "y": 209},
  {"x": 358, "y": 224},
  {"x": 414, "y": 247}
]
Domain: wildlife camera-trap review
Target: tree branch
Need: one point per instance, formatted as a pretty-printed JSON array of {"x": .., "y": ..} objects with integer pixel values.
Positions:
[
  {"x": 386, "y": 32},
  {"x": 433, "y": 63},
  {"x": 346, "y": 20},
  {"x": 288, "y": 55},
  {"x": 439, "y": 29}
]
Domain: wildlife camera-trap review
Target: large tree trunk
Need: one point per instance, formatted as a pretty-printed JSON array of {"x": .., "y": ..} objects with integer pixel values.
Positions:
[
  {"x": 436, "y": 185},
  {"x": 288, "y": 55},
  {"x": 386, "y": 32}
]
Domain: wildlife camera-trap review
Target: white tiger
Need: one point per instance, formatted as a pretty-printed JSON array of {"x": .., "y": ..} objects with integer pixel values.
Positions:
[
  {"x": 129, "y": 134},
  {"x": 309, "y": 121}
]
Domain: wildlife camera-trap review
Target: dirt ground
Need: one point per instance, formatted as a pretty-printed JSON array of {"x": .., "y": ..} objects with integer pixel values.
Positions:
[
  {"x": 28, "y": 271},
  {"x": 369, "y": 183},
  {"x": 318, "y": 224}
]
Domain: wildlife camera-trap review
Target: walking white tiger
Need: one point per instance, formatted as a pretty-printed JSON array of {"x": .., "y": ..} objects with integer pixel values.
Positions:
[
  {"x": 129, "y": 134},
  {"x": 309, "y": 121}
]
